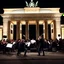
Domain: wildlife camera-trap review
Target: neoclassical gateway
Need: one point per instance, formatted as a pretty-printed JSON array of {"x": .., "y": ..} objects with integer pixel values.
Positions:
[{"x": 31, "y": 22}]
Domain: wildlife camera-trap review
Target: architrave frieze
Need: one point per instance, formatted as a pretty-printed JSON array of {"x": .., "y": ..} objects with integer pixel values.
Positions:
[{"x": 45, "y": 16}]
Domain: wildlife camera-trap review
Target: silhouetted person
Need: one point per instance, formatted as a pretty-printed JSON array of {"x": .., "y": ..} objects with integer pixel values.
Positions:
[
  {"x": 41, "y": 45},
  {"x": 20, "y": 46},
  {"x": 26, "y": 47},
  {"x": 4, "y": 43},
  {"x": 60, "y": 44}
]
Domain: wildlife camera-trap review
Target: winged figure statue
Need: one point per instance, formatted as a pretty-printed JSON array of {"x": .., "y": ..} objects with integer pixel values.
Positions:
[
  {"x": 31, "y": 4},
  {"x": 36, "y": 4},
  {"x": 26, "y": 3}
]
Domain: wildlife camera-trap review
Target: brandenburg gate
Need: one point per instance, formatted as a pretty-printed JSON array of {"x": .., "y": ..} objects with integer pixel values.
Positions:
[{"x": 31, "y": 22}]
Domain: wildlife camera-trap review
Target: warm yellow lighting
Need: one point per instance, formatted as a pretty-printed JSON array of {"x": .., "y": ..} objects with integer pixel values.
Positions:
[
  {"x": 20, "y": 36},
  {"x": 41, "y": 22},
  {"x": 31, "y": 10},
  {"x": 49, "y": 21},
  {"x": 0, "y": 34},
  {"x": 32, "y": 22},
  {"x": 11, "y": 23},
  {"x": 11, "y": 36},
  {"x": 14, "y": 22},
  {"x": 62, "y": 33},
  {"x": 23, "y": 22}
]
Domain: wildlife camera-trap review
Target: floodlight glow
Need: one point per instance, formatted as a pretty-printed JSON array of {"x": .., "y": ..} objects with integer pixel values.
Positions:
[{"x": 63, "y": 14}]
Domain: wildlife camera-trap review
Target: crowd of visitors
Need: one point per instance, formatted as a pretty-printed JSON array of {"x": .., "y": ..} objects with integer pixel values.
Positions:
[{"x": 22, "y": 45}]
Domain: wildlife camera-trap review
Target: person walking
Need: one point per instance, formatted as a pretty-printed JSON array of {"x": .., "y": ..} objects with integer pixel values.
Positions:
[{"x": 41, "y": 45}]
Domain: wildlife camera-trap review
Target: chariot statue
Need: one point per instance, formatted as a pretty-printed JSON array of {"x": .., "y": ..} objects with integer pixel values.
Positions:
[{"x": 31, "y": 4}]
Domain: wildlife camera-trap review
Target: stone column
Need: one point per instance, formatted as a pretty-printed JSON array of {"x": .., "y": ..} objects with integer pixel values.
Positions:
[
  {"x": 54, "y": 30},
  {"x": 37, "y": 29},
  {"x": 58, "y": 27},
  {"x": 5, "y": 27},
  {"x": 46, "y": 30},
  {"x": 18, "y": 30},
  {"x": 26, "y": 30},
  {"x": 8, "y": 29}
]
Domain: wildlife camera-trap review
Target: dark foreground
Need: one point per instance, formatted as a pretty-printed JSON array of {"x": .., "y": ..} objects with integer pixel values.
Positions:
[
  {"x": 32, "y": 58},
  {"x": 32, "y": 61}
]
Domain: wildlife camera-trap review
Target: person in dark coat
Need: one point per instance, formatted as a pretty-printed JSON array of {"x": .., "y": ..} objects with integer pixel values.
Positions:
[
  {"x": 4, "y": 43},
  {"x": 20, "y": 46},
  {"x": 41, "y": 45}
]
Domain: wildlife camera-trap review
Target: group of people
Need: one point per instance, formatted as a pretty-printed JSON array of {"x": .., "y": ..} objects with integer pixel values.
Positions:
[
  {"x": 28, "y": 44},
  {"x": 22, "y": 45}
]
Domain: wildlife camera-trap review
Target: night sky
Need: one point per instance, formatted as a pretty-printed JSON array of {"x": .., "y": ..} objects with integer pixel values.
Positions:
[{"x": 21, "y": 4}]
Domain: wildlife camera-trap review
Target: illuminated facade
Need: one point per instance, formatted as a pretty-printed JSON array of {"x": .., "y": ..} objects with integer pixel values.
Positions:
[{"x": 31, "y": 22}]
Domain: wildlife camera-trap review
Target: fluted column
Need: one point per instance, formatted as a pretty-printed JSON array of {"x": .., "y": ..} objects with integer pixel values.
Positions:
[
  {"x": 18, "y": 30},
  {"x": 54, "y": 29},
  {"x": 8, "y": 29},
  {"x": 46, "y": 30},
  {"x": 37, "y": 29},
  {"x": 26, "y": 30},
  {"x": 5, "y": 27},
  {"x": 58, "y": 30}
]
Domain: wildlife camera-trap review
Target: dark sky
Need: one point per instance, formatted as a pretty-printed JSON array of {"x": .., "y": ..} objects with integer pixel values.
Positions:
[
  {"x": 41, "y": 4},
  {"x": 21, "y": 4}
]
